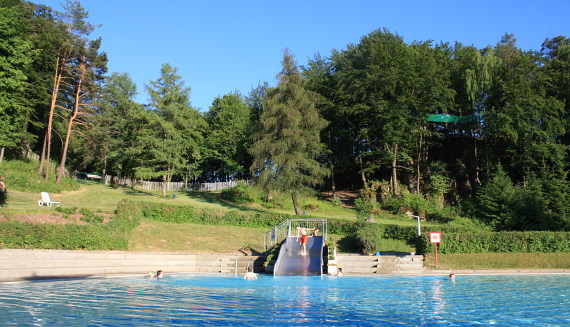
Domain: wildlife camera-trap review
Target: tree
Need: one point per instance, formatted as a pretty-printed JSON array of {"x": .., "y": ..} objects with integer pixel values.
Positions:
[
  {"x": 114, "y": 123},
  {"x": 228, "y": 137},
  {"x": 15, "y": 60},
  {"x": 70, "y": 47},
  {"x": 556, "y": 54},
  {"x": 170, "y": 141},
  {"x": 255, "y": 100},
  {"x": 494, "y": 200},
  {"x": 88, "y": 70},
  {"x": 287, "y": 143},
  {"x": 525, "y": 123}
]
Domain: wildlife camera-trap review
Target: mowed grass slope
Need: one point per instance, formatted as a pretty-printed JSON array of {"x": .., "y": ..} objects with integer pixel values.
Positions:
[
  {"x": 98, "y": 197},
  {"x": 194, "y": 238},
  {"x": 150, "y": 235}
]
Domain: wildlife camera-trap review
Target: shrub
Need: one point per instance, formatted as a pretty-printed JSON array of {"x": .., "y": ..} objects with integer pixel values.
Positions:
[
  {"x": 500, "y": 242},
  {"x": 372, "y": 237},
  {"x": 243, "y": 193},
  {"x": 112, "y": 236},
  {"x": 366, "y": 208},
  {"x": 408, "y": 202}
]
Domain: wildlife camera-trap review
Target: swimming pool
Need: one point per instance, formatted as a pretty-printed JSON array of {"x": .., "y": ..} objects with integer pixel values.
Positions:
[{"x": 186, "y": 300}]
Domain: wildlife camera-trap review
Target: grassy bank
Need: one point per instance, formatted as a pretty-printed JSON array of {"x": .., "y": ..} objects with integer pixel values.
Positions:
[
  {"x": 98, "y": 197},
  {"x": 156, "y": 236},
  {"x": 479, "y": 261}
]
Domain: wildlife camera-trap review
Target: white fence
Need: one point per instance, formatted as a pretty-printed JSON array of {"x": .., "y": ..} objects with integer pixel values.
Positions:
[{"x": 172, "y": 186}]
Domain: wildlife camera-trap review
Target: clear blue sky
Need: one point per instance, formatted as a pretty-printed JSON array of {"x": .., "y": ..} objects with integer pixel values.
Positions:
[{"x": 232, "y": 45}]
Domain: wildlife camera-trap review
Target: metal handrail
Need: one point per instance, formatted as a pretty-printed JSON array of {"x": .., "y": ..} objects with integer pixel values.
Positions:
[{"x": 280, "y": 232}]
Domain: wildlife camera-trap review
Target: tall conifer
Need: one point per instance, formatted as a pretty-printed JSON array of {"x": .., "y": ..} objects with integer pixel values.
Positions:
[{"x": 288, "y": 140}]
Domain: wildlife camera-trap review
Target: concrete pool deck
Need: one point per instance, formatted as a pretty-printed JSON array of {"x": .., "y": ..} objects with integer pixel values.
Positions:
[{"x": 27, "y": 265}]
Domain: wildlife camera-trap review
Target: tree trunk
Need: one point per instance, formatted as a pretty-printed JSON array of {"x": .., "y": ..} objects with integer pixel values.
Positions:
[
  {"x": 333, "y": 186},
  {"x": 42, "y": 156},
  {"x": 418, "y": 170},
  {"x": 1, "y": 154},
  {"x": 477, "y": 169},
  {"x": 298, "y": 210},
  {"x": 164, "y": 184},
  {"x": 45, "y": 157},
  {"x": 394, "y": 179},
  {"x": 69, "y": 131},
  {"x": 362, "y": 175}
]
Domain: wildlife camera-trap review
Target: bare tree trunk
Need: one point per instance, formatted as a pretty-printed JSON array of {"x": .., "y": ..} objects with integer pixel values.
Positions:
[
  {"x": 58, "y": 76},
  {"x": 1, "y": 154},
  {"x": 69, "y": 130},
  {"x": 298, "y": 210}
]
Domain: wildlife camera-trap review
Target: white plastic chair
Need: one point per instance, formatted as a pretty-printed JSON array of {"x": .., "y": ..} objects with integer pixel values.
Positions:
[{"x": 46, "y": 200}]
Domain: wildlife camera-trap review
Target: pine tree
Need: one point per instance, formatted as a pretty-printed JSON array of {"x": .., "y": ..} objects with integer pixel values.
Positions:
[
  {"x": 170, "y": 140},
  {"x": 288, "y": 140}
]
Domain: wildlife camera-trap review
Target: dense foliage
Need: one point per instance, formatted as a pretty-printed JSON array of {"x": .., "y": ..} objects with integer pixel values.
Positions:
[
  {"x": 21, "y": 175},
  {"x": 418, "y": 127}
]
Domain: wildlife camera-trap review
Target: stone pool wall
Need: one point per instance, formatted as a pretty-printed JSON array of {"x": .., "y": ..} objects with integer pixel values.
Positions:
[{"x": 46, "y": 264}]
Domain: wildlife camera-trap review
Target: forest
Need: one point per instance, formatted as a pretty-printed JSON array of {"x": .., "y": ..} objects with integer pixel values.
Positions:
[{"x": 484, "y": 132}]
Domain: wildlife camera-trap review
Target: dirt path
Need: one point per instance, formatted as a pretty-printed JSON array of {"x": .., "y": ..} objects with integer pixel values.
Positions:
[{"x": 346, "y": 197}]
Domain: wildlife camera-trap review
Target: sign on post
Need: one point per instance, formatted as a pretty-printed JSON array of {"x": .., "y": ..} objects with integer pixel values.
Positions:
[{"x": 435, "y": 238}]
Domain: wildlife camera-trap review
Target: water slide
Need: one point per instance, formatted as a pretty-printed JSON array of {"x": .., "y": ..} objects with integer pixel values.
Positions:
[{"x": 292, "y": 263}]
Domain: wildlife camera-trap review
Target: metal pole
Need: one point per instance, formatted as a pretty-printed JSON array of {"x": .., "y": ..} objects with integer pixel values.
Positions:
[
  {"x": 418, "y": 218},
  {"x": 236, "y": 272},
  {"x": 436, "y": 262},
  {"x": 419, "y": 231}
]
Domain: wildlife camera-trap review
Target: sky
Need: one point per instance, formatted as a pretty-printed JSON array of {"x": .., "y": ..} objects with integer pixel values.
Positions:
[{"x": 223, "y": 46}]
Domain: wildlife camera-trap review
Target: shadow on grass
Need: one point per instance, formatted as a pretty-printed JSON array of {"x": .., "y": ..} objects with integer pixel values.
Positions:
[
  {"x": 132, "y": 192},
  {"x": 347, "y": 244},
  {"x": 214, "y": 198}
]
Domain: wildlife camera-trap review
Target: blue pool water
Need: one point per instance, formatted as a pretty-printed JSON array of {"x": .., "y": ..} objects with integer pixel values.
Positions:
[{"x": 186, "y": 300}]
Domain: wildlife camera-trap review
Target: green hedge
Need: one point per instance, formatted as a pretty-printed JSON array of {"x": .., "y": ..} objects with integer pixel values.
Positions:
[
  {"x": 94, "y": 236},
  {"x": 184, "y": 214},
  {"x": 341, "y": 227},
  {"x": 499, "y": 242},
  {"x": 369, "y": 235},
  {"x": 458, "y": 240}
]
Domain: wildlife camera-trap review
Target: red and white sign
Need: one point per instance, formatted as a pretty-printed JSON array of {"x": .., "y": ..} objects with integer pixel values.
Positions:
[{"x": 435, "y": 237}]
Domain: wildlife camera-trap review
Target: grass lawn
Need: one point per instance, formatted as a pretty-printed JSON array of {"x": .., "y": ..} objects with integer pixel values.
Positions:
[
  {"x": 170, "y": 237},
  {"x": 500, "y": 261},
  {"x": 98, "y": 197}
]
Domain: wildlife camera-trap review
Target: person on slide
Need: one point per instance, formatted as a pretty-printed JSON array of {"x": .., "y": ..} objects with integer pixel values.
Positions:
[{"x": 304, "y": 238}]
